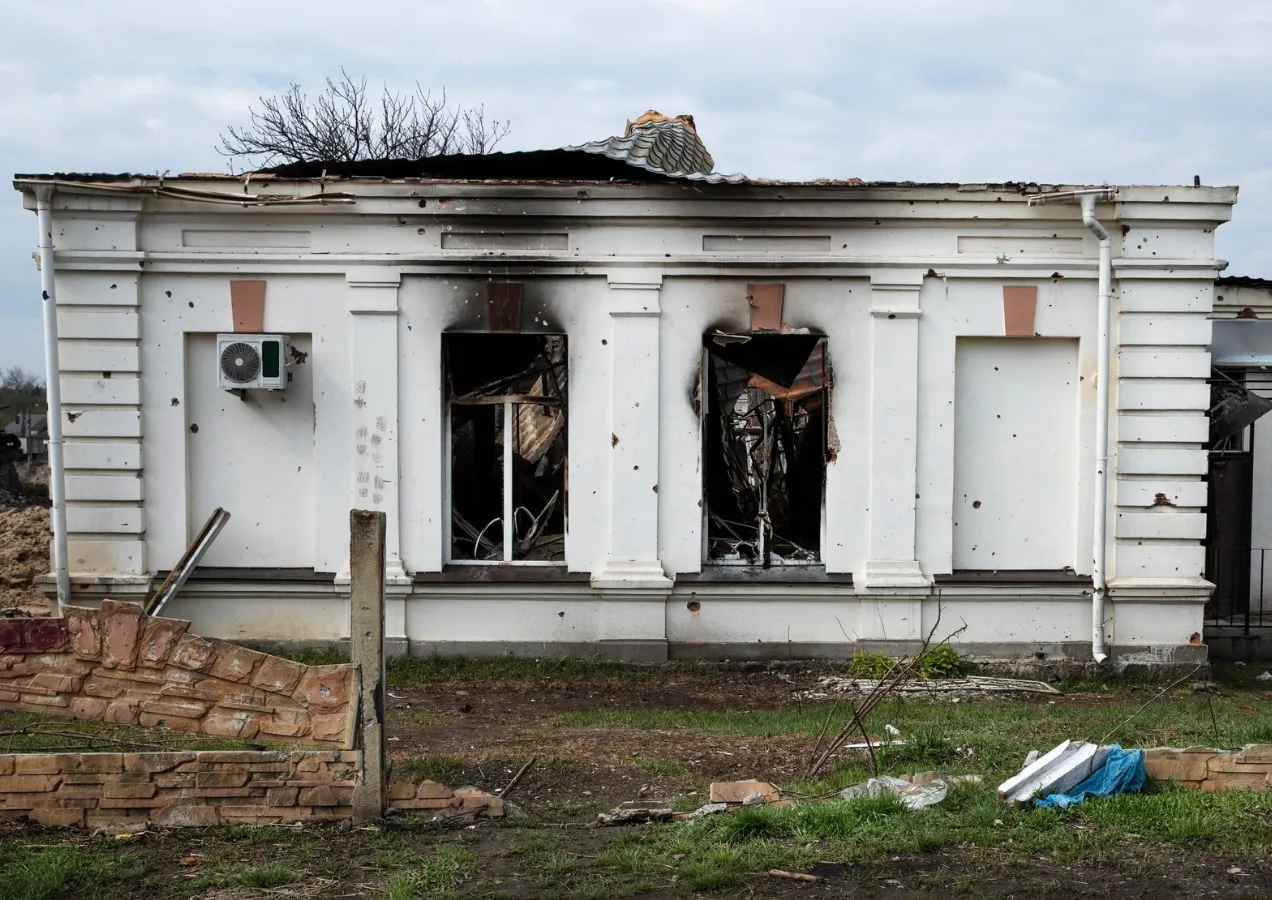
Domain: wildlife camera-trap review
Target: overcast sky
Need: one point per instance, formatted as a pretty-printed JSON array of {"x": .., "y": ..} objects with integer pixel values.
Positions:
[{"x": 1118, "y": 91}]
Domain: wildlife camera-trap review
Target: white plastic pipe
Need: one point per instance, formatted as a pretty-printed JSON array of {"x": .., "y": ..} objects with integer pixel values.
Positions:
[
  {"x": 1099, "y": 547},
  {"x": 53, "y": 383},
  {"x": 1099, "y": 551}
]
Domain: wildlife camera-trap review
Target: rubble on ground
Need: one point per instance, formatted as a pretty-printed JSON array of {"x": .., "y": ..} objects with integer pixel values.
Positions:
[
  {"x": 24, "y": 555},
  {"x": 916, "y": 791},
  {"x": 954, "y": 689},
  {"x": 1073, "y": 771}
]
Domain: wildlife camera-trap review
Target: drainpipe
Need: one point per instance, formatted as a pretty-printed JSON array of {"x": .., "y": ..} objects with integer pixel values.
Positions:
[
  {"x": 52, "y": 378},
  {"x": 1087, "y": 198}
]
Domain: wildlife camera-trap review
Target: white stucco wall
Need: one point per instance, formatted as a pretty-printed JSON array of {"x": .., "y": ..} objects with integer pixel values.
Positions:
[{"x": 907, "y": 284}]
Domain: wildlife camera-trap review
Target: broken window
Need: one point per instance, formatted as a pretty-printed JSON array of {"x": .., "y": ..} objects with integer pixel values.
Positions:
[
  {"x": 507, "y": 403},
  {"x": 765, "y": 432}
]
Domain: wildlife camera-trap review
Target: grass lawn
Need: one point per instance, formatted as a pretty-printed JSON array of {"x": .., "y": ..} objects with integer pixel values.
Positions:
[{"x": 605, "y": 734}]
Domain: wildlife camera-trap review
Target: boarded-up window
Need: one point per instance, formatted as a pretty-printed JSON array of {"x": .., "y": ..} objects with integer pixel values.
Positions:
[
  {"x": 507, "y": 403},
  {"x": 1016, "y": 440}
]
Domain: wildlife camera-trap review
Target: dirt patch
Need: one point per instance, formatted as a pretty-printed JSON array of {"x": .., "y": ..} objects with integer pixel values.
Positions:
[
  {"x": 34, "y": 477},
  {"x": 494, "y": 727},
  {"x": 24, "y": 555}
]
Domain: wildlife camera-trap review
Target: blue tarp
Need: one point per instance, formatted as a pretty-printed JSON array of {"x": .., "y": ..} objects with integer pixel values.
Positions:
[{"x": 1122, "y": 773}]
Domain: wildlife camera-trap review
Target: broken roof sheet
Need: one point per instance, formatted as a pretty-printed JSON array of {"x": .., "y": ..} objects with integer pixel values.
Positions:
[
  {"x": 664, "y": 145},
  {"x": 533, "y": 165},
  {"x": 1244, "y": 281}
]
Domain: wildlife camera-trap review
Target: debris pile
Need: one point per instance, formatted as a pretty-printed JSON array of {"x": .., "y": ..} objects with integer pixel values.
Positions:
[
  {"x": 1072, "y": 772},
  {"x": 916, "y": 791},
  {"x": 939, "y": 688},
  {"x": 726, "y": 796},
  {"x": 24, "y": 555}
]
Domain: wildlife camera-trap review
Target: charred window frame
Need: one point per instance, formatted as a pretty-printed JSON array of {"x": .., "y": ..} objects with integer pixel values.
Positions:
[
  {"x": 765, "y": 426},
  {"x": 506, "y": 391}
]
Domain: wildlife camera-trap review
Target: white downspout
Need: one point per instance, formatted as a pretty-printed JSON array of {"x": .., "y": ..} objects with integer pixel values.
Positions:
[
  {"x": 1099, "y": 549},
  {"x": 52, "y": 377}
]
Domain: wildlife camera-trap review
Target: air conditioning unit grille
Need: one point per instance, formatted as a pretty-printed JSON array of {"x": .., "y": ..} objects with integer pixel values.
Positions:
[
  {"x": 271, "y": 363},
  {"x": 241, "y": 362}
]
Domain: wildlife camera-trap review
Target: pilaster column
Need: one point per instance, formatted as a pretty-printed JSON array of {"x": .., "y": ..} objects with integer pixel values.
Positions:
[
  {"x": 894, "y": 403},
  {"x": 632, "y": 582},
  {"x": 373, "y": 391},
  {"x": 632, "y": 557}
]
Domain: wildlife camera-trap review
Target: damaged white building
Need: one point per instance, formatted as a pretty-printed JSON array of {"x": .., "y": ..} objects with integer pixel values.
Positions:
[{"x": 614, "y": 404}]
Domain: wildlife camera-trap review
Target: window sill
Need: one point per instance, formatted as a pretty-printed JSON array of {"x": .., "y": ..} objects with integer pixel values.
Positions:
[
  {"x": 1013, "y": 576},
  {"x": 758, "y": 574},
  {"x": 497, "y": 573}
]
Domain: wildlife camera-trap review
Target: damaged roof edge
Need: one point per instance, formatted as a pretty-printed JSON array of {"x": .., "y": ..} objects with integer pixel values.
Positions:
[{"x": 133, "y": 183}]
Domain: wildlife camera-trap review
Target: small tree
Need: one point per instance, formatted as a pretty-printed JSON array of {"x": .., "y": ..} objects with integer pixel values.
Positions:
[
  {"x": 345, "y": 123},
  {"x": 21, "y": 394}
]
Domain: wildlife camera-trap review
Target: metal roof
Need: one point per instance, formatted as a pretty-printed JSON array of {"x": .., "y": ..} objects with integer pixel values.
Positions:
[
  {"x": 664, "y": 145},
  {"x": 1240, "y": 281}
]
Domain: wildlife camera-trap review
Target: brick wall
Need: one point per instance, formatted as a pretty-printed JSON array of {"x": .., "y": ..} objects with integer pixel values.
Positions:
[
  {"x": 1207, "y": 769},
  {"x": 118, "y": 665},
  {"x": 117, "y": 790}
]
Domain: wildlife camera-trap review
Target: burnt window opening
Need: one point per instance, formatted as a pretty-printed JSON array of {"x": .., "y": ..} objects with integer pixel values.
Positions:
[
  {"x": 507, "y": 404},
  {"x": 765, "y": 426}
]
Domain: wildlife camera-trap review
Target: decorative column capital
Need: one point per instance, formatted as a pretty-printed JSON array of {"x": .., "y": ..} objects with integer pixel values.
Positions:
[
  {"x": 376, "y": 290},
  {"x": 634, "y": 295},
  {"x": 895, "y": 293}
]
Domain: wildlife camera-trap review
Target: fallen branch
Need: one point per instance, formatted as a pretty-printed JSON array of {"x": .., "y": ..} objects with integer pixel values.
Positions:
[
  {"x": 902, "y": 669},
  {"x": 89, "y": 738},
  {"x": 1151, "y": 700},
  {"x": 516, "y": 778},
  {"x": 874, "y": 763},
  {"x": 793, "y": 876}
]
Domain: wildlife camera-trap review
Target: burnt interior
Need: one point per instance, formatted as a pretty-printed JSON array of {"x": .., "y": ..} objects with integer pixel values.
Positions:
[
  {"x": 522, "y": 378},
  {"x": 765, "y": 452}
]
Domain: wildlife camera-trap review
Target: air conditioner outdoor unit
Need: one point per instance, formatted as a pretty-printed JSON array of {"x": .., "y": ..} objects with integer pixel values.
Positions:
[{"x": 251, "y": 362}]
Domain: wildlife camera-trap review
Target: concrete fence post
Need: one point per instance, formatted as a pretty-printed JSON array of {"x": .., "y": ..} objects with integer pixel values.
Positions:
[{"x": 366, "y": 650}]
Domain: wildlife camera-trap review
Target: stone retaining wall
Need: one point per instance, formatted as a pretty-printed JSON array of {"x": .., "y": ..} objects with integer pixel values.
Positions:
[
  {"x": 118, "y": 665},
  {"x": 1208, "y": 769},
  {"x": 118, "y": 790}
]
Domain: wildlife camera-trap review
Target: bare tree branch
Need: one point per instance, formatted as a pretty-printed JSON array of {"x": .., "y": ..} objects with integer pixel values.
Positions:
[{"x": 344, "y": 123}]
